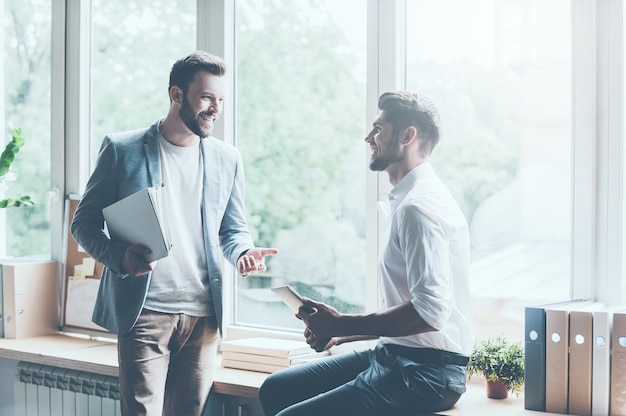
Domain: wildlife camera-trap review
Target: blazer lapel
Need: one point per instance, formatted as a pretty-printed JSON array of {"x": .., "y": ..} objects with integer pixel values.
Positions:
[
  {"x": 153, "y": 155},
  {"x": 211, "y": 181}
]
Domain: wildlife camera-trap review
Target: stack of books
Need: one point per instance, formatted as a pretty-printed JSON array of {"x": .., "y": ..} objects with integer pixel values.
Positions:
[{"x": 266, "y": 355}]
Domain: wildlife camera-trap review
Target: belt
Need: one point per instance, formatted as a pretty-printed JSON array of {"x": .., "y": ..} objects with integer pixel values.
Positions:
[{"x": 428, "y": 355}]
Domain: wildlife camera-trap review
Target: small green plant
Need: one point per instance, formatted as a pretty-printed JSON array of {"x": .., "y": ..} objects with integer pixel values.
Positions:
[
  {"x": 499, "y": 359},
  {"x": 6, "y": 159}
]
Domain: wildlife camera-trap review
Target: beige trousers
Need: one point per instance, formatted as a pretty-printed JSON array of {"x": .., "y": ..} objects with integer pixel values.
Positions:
[{"x": 166, "y": 364}]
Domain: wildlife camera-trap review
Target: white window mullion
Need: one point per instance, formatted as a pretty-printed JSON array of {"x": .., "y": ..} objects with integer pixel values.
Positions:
[
  {"x": 609, "y": 286},
  {"x": 584, "y": 148},
  {"x": 3, "y": 236},
  {"x": 215, "y": 35},
  {"x": 385, "y": 63},
  {"x": 57, "y": 126},
  {"x": 77, "y": 89},
  {"x": 620, "y": 276}
]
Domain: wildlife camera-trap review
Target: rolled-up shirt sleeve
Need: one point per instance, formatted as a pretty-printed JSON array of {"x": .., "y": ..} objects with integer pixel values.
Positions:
[{"x": 423, "y": 242}]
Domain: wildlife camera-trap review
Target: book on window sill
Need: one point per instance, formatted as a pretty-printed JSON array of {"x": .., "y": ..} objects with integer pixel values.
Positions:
[
  {"x": 136, "y": 220},
  {"x": 272, "y": 360},
  {"x": 250, "y": 366},
  {"x": 252, "y": 362},
  {"x": 274, "y": 347}
]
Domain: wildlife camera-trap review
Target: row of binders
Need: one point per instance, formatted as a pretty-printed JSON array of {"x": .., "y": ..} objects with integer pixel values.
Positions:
[
  {"x": 28, "y": 297},
  {"x": 575, "y": 358},
  {"x": 266, "y": 355}
]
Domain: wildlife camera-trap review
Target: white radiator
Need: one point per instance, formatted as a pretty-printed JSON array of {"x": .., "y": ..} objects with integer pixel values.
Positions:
[{"x": 42, "y": 390}]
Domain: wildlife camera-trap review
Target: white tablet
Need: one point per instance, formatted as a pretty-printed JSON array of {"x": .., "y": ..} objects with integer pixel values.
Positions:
[{"x": 289, "y": 296}]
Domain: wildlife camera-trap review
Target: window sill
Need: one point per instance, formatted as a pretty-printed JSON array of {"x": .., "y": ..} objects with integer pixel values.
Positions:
[{"x": 100, "y": 357}]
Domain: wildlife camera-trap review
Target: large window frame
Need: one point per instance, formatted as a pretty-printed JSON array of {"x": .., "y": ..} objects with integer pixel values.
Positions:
[{"x": 598, "y": 245}]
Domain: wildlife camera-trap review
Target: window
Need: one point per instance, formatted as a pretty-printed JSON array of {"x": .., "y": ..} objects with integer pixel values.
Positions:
[
  {"x": 300, "y": 119},
  {"x": 515, "y": 81},
  {"x": 500, "y": 73},
  {"x": 26, "y": 97},
  {"x": 133, "y": 48}
]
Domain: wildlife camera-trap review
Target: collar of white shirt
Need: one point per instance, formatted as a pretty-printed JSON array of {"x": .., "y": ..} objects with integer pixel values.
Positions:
[{"x": 406, "y": 183}]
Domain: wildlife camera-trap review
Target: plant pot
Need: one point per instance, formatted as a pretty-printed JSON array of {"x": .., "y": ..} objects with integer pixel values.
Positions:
[{"x": 497, "y": 389}]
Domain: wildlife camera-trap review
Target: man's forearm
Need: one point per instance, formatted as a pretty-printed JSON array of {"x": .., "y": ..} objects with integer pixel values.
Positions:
[{"x": 398, "y": 321}]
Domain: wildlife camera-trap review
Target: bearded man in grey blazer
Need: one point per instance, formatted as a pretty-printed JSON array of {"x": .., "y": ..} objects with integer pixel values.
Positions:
[{"x": 167, "y": 313}]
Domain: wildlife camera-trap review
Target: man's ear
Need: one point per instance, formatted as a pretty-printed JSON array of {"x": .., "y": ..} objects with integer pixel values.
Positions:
[
  {"x": 176, "y": 94},
  {"x": 409, "y": 134}
]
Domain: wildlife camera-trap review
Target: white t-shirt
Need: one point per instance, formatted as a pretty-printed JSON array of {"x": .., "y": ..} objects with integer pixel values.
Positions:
[
  {"x": 180, "y": 281},
  {"x": 425, "y": 260}
]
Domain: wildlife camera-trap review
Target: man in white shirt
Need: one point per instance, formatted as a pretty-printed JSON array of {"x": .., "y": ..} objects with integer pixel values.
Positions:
[{"x": 425, "y": 325}]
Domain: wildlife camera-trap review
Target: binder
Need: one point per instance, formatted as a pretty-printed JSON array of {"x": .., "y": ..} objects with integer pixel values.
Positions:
[
  {"x": 535, "y": 354},
  {"x": 557, "y": 357},
  {"x": 618, "y": 365},
  {"x": 136, "y": 220},
  {"x": 580, "y": 359},
  {"x": 601, "y": 361},
  {"x": 30, "y": 297}
]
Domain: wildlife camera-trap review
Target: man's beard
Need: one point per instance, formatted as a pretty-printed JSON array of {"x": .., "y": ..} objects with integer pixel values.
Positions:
[
  {"x": 188, "y": 117},
  {"x": 387, "y": 156}
]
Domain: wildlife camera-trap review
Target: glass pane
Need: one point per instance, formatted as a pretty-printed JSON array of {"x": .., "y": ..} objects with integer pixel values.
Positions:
[
  {"x": 26, "y": 89},
  {"x": 500, "y": 73},
  {"x": 300, "y": 109},
  {"x": 134, "y": 45}
]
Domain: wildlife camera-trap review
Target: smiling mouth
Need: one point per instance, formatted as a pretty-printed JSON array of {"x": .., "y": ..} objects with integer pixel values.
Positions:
[{"x": 207, "y": 117}]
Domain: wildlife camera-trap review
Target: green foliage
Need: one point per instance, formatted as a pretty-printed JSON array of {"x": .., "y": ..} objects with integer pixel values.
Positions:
[
  {"x": 27, "y": 82},
  {"x": 300, "y": 116},
  {"x": 135, "y": 44},
  {"x": 10, "y": 151},
  {"x": 478, "y": 152},
  {"x": 499, "y": 359},
  {"x": 6, "y": 160},
  {"x": 300, "y": 111},
  {"x": 19, "y": 202}
]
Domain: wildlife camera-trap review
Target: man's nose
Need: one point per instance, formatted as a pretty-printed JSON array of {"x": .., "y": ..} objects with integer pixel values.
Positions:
[{"x": 215, "y": 106}]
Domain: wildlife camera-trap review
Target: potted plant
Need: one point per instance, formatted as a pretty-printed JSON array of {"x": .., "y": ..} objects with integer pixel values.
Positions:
[
  {"x": 6, "y": 159},
  {"x": 501, "y": 362}
]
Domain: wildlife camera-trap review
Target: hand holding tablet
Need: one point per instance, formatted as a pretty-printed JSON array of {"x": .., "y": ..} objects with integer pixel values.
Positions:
[{"x": 291, "y": 298}]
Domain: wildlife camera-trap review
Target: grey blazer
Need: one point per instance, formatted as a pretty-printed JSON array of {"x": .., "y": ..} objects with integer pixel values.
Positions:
[{"x": 128, "y": 162}]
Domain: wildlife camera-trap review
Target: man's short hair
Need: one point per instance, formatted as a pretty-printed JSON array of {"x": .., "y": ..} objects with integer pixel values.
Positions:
[
  {"x": 184, "y": 70},
  {"x": 403, "y": 109}
]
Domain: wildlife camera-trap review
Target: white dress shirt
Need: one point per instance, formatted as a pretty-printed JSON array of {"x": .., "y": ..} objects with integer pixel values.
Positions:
[{"x": 424, "y": 259}]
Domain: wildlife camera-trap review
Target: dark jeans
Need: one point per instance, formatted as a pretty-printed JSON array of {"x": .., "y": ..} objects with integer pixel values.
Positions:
[{"x": 372, "y": 382}]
